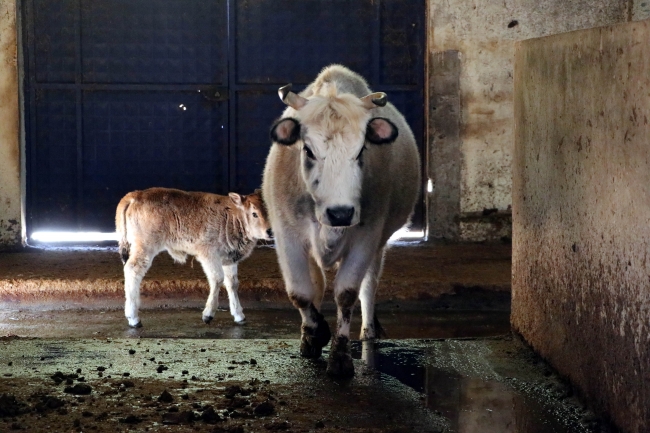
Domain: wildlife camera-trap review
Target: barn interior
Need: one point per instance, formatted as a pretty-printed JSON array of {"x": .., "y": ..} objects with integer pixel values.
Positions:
[{"x": 517, "y": 302}]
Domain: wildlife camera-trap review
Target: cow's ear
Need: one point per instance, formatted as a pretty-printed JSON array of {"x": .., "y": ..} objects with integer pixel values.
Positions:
[
  {"x": 285, "y": 131},
  {"x": 381, "y": 131},
  {"x": 236, "y": 198}
]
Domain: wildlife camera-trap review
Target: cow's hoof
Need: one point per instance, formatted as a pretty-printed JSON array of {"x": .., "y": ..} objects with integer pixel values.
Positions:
[
  {"x": 207, "y": 319},
  {"x": 240, "y": 322},
  {"x": 313, "y": 340},
  {"x": 137, "y": 325},
  {"x": 340, "y": 365},
  {"x": 307, "y": 350}
]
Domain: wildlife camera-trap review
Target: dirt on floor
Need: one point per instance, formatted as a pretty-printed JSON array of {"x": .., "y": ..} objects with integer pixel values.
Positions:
[
  {"x": 92, "y": 277},
  {"x": 489, "y": 385},
  {"x": 194, "y": 385}
]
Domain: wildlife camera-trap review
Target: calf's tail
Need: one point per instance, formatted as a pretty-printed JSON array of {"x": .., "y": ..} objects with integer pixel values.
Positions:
[{"x": 120, "y": 228}]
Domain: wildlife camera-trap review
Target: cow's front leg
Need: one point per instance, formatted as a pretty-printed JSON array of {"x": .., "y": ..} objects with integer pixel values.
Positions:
[
  {"x": 294, "y": 263},
  {"x": 231, "y": 283},
  {"x": 135, "y": 268},
  {"x": 340, "y": 362},
  {"x": 315, "y": 331},
  {"x": 370, "y": 327},
  {"x": 214, "y": 272},
  {"x": 346, "y": 292}
]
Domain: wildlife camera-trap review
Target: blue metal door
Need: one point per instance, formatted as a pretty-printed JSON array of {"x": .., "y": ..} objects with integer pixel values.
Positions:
[{"x": 129, "y": 94}]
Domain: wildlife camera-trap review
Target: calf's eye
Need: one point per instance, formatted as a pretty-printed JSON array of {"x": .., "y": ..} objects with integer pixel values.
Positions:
[{"x": 254, "y": 214}]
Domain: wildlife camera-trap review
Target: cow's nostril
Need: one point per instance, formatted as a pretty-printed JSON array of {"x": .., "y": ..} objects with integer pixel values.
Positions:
[
  {"x": 340, "y": 215},
  {"x": 269, "y": 232}
]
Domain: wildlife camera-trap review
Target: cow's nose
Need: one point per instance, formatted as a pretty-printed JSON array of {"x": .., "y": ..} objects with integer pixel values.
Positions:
[
  {"x": 269, "y": 233},
  {"x": 340, "y": 215}
]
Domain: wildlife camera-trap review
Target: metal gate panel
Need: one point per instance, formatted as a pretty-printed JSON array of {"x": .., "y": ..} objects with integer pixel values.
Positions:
[
  {"x": 129, "y": 94},
  {"x": 255, "y": 112},
  {"x": 161, "y": 41},
  {"x": 54, "y": 46},
  {"x": 54, "y": 154},
  {"x": 280, "y": 40},
  {"x": 402, "y": 43},
  {"x": 135, "y": 140},
  {"x": 142, "y": 85}
]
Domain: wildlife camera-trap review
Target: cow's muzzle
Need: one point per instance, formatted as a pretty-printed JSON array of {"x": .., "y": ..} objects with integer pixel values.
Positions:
[{"x": 340, "y": 216}]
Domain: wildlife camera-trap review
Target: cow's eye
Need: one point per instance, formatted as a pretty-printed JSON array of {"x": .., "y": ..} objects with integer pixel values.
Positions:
[
  {"x": 361, "y": 152},
  {"x": 254, "y": 214},
  {"x": 309, "y": 153}
]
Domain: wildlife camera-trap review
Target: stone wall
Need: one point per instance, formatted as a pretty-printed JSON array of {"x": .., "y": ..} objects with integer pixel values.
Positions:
[
  {"x": 484, "y": 35},
  {"x": 10, "y": 202},
  {"x": 581, "y": 202}
]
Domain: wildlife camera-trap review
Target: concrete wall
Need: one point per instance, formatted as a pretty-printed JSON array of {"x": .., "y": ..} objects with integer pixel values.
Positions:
[
  {"x": 10, "y": 227},
  {"x": 581, "y": 201},
  {"x": 484, "y": 34}
]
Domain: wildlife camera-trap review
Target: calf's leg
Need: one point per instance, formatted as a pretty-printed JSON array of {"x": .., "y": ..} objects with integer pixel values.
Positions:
[
  {"x": 135, "y": 268},
  {"x": 214, "y": 272},
  {"x": 232, "y": 286}
]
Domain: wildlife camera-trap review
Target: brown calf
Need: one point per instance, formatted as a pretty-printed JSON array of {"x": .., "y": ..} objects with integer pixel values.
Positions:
[{"x": 218, "y": 230}]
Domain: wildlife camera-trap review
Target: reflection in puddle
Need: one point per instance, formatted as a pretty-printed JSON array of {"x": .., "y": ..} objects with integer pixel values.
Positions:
[{"x": 471, "y": 404}]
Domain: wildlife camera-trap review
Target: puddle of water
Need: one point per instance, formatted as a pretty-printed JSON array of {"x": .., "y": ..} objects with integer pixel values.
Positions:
[{"x": 471, "y": 404}]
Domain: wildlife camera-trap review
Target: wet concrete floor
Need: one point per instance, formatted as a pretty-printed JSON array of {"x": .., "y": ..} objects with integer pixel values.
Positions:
[{"x": 439, "y": 371}]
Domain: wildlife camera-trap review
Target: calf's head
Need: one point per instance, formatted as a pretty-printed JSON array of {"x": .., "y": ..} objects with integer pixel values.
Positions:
[
  {"x": 255, "y": 215},
  {"x": 332, "y": 132}
]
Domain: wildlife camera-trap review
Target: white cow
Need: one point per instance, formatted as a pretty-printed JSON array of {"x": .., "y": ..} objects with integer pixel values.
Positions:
[
  {"x": 219, "y": 230},
  {"x": 342, "y": 175}
]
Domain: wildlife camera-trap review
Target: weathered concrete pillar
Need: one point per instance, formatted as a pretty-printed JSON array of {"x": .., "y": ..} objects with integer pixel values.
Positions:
[
  {"x": 10, "y": 201},
  {"x": 443, "y": 169},
  {"x": 581, "y": 212}
]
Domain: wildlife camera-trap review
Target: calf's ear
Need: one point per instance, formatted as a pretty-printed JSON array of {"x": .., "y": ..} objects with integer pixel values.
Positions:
[
  {"x": 285, "y": 131},
  {"x": 381, "y": 131},
  {"x": 236, "y": 198}
]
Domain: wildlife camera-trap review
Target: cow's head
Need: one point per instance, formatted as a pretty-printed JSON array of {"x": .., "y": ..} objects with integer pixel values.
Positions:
[
  {"x": 256, "y": 219},
  {"x": 333, "y": 130}
]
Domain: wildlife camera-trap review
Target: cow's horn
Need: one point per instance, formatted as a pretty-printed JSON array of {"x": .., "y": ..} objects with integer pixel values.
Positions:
[
  {"x": 291, "y": 99},
  {"x": 373, "y": 100}
]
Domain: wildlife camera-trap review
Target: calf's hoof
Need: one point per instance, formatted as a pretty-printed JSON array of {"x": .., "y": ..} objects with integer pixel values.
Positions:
[
  {"x": 137, "y": 325},
  {"x": 240, "y": 322},
  {"x": 340, "y": 364},
  {"x": 207, "y": 319},
  {"x": 313, "y": 340}
]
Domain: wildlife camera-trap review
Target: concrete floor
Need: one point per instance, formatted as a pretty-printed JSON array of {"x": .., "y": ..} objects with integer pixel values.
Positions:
[
  {"x": 444, "y": 371},
  {"x": 68, "y": 362}
]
